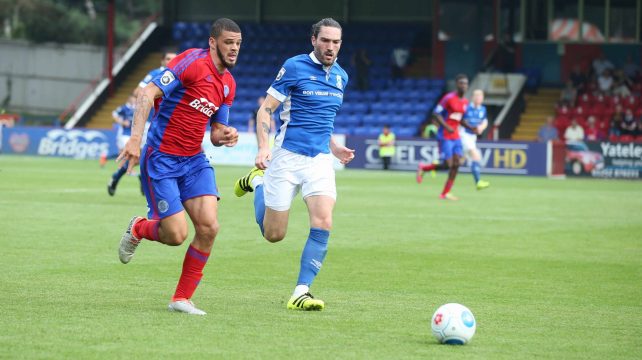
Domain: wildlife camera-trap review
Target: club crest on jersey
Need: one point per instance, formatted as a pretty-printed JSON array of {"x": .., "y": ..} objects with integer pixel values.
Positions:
[
  {"x": 339, "y": 82},
  {"x": 167, "y": 78},
  {"x": 205, "y": 106},
  {"x": 280, "y": 74},
  {"x": 163, "y": 206},
  {"x": 226, "y": 90}
]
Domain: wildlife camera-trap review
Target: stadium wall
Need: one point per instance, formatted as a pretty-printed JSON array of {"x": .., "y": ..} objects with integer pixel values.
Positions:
[{"x": 45, "y": 78}]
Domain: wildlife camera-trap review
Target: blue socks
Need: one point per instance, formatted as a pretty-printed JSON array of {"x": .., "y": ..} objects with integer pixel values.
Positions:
[
  {"x": 120, "y": 172},
  {"x": 313, "y": 254},
  {"x": 259, "y": 206},
  {"x": 476, "y": 170}
]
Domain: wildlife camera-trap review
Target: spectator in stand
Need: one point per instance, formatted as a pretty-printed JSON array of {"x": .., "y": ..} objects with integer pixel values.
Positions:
[
  {"x": 362, "y": 63},
  {"x": 399, "y": 60},
  {"x": 600, "y": 64},
  {"x": 620, "y": 88},
  {"x": 614, "y": 129},
  {"x": 605, "y": 82},
  {"x": 592, "y": 133},
  {"x": 568, "y": 95},
  {"x": 578, "y": 78},
  {"x": 630, "y": 68},
  {"x": 574, "y": 132},
  {"x": 548, "y": 132},
  {"x": 628, "y": 125}
]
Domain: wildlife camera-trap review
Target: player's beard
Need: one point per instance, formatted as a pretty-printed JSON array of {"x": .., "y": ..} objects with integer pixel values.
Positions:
[
  {"x": 320, "y": 56},
  {"x": 222, "y": 58}
]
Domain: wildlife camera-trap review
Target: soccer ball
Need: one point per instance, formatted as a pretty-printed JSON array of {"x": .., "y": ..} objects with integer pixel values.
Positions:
[{"x": 453, "y": 324}]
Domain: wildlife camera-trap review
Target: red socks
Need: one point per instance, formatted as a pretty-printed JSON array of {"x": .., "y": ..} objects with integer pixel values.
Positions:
[
  {"x": 449, "y": 184},
  {"x": 193, "y": 265},
  {"x": 428, "y": 167},
  {"x": 146, "y": 229}
]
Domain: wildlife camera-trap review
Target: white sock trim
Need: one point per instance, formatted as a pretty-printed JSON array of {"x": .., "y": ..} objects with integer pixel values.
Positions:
[
  {"x": 256, "y": 181},
  {"x": 300, "y": 290}
]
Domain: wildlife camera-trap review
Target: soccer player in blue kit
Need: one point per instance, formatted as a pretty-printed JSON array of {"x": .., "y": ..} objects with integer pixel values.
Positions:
[
  {"x": 476, "y": 117},
  {"x": 123, "y": 116},
  {"x": 311, "y": 87}
]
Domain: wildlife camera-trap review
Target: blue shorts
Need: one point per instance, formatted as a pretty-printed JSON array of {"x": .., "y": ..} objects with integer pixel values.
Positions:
[
  {"x": 169, "y": 180},
  {"x": 448, "y": 148}
]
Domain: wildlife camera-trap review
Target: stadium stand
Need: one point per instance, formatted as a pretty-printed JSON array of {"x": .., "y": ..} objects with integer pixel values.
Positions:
[
  {"x": 404, "y": 104},
  {"x": 607, "y": 108}
]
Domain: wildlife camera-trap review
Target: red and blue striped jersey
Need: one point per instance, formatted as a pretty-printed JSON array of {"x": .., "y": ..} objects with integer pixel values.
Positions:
[
  {"x": 193, "y": 91},
  {"x": 452, "y": 108}
]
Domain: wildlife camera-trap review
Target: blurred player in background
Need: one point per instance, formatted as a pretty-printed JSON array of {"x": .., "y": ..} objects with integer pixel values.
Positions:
[
  {"x": 123, "y": 116},
  {"x": 449, "y": 113},
  {"x": 196, "y": 90},
  {"x": 311, "y": 88},
  {"x": 476, "y": 117}
]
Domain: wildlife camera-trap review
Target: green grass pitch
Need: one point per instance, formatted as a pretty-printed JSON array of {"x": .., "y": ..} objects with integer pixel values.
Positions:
[{"x": 550, "y": 269}]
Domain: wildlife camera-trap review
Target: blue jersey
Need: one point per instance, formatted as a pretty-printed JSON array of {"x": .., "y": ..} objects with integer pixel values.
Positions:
[
  {"x": 311, "y": 94},
  {"x": 125, "y": 112},
  {"x": 474, "y": 116}
]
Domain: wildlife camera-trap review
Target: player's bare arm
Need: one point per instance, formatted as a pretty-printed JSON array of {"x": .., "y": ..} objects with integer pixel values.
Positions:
[
  {"x": 441, "y": 122},
  {"x": 465, "y": 124},
  {"x": 263, "y": 121},
  {"x": 341, "y": 152},
  {"x": 223, "y": 135},
  {"x": 482, "y": 126},
  {"x": 144, "y": 103}
]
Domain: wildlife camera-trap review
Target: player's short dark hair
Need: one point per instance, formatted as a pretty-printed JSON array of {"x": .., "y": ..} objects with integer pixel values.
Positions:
[
  {"x": 330, "y": 22},
  {"x": 223, "y": 24},
  {"x": 460, "y": 77}
]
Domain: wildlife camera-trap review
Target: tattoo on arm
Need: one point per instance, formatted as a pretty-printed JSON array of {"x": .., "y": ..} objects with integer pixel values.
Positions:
[
  {"x": 142, "y": 111},
  {"x": 268, "y": 110},
  {"x": 266, "y": 128}
]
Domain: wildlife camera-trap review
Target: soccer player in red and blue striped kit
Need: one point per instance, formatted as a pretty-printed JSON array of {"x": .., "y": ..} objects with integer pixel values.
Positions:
[{"x": 195, "y": 90}]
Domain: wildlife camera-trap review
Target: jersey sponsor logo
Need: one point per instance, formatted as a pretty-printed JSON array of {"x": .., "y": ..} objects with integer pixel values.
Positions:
[
  {"x": 280, "y": 74},
  {"x": 339, "y": 82},
  {"x": 456, "y": 116},
  {"x": 313, "y": 78},
  {"x": 205, "y": 106},
  {"x": 167, "y": 78}
]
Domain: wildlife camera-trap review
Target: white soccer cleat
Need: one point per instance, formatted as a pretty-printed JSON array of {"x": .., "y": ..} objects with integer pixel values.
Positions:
[
  {"x": 128, "y": 243},
  {"x": 185, "y": 306}
]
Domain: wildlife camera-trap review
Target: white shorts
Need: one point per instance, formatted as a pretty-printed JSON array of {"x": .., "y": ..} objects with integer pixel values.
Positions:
[
  {"x": 288, "y": 172},
  {"x": 122, "y": 140},
  {"x": 468, "y": 141}
]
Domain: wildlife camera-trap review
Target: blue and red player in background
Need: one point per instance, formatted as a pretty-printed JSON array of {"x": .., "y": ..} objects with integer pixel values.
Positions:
[{"x": 449, "y": 113}]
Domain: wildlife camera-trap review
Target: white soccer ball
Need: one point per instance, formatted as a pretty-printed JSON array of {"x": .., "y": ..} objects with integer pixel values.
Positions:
[{"x": 453, "y": 324}]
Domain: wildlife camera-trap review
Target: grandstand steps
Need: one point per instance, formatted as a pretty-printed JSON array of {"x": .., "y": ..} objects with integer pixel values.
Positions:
[
  {"x": 102, "y": 118},
  {"x": 538, "y": 107}
]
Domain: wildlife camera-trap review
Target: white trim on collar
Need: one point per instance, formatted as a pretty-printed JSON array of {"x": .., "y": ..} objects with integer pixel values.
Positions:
[
  {"x": 316, "y": 61},
  {"x": 314, "y": 58}
]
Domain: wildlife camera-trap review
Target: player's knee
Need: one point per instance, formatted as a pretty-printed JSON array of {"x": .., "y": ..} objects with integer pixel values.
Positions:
[
  {"x": 323, "y": 223},
  {"x": 175, "y": 237},
  {"x": 274, "y": 235},
  {"x": 208, "y": 231}
]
